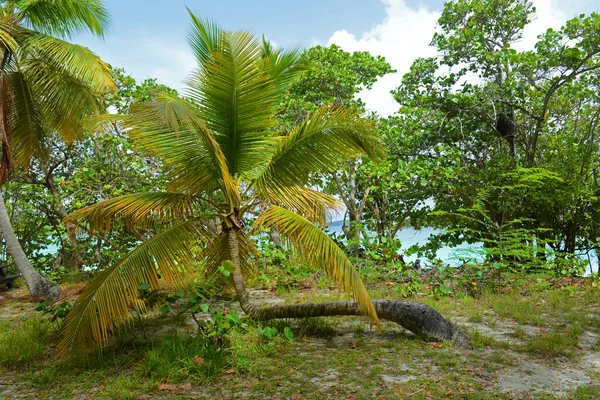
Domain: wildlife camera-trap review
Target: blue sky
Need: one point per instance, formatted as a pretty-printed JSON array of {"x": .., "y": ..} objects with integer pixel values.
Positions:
[{"x": 147, "y": 37}]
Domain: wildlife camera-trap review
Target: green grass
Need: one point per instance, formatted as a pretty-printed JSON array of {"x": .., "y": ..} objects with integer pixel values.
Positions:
[
  {"x": 179, "y": 357},
  {"x": 555, "y": 343},
  {"x": 328, "y": 357},
  {"x": 22, "y": 343}
]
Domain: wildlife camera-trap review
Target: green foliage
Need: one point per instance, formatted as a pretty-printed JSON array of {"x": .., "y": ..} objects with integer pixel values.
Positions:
[
  {"x": 269, "y": 332},
  {"x": 60, "y": 310},
  {"x": 279, "y": 268},
  {"x": 333, "y": 77},
  {"x": 499, "y": 142},
  {"x": 103, "y": 163}
]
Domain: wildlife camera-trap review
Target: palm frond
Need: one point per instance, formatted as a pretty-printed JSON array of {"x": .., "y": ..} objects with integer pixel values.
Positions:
[
  {"x": 68, "y": 58},
  {"x": 321, "y": 143},
  {"x": 137, "y": 208},
  {"x": 318, "y": 248},
  {"x": 170, "y": 129},
  {"x": 108, "y": 299},
  {"x": 25, "y": 120},
  {"x": 9, "y": 32},
  {"x": 67, "y": 79},
  {"x": 100, "y": 123},
  {"x": 204, "y": 37},
  {"x": 236, "y": 98},
  {"x": 284, "y": 67},
  {"x": 64, "y": 17},
  {"x": 311, "y": 204}
]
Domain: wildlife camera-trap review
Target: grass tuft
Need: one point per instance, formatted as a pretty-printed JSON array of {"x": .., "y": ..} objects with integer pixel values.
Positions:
[
  {"x": 25, "y": 344},
  {"x": 178, "y": 357}
]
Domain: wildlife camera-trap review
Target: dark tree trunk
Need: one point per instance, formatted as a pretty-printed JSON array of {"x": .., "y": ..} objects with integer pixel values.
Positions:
[{"x": 420, "y": 319}]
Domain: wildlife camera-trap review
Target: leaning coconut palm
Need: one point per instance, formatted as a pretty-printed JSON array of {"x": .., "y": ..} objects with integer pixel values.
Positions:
[
  {"x": 226, "y": 161},
  {"x": 47, "y": 86}
]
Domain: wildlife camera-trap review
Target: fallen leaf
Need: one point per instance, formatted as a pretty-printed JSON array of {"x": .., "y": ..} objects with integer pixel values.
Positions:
[
  {"x": 198, "y": 360},
  {"x": 166, "y": 387},
  {"x": 295, "y": 396}
]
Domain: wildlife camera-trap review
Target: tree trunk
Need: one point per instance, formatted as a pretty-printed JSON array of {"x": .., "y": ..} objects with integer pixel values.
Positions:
[
  {"x": 422, "y": 320},
  {"x": 37, "y": 284}
]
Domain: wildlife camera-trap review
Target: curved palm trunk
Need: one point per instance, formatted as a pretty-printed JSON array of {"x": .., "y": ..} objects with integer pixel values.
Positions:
[
  {"x": 37, "y": 284},
  {"x": 421, "y": 319}
]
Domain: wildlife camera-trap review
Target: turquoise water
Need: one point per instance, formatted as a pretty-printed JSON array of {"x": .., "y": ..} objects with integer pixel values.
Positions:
[{"x": 453, "y": 256}]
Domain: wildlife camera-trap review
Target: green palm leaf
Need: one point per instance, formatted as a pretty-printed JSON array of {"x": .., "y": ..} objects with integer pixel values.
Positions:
[
  {"x": 236, "y": 97},
  {"x": 63, "y": 17},
  {"x": 204, "y": 38},
  {"x": 321, "y": 143},
  {"x": 107, "y": 300},
  {"x": 68, "y": 79},
  {"x": 318, "y": 248},
  {"x": 170, "y": 129},
  {"x": 8, "y": 33},
  {"x": 26, "y": 122}
]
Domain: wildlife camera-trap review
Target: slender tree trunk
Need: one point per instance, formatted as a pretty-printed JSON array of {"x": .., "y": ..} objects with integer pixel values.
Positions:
[
  {"x": 422, "y": 320},
  {"x": 37, "y": 284}
]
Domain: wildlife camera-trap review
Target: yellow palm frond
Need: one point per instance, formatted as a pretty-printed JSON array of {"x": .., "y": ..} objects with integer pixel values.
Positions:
[
  {"x": 311, "y": 204},
  {"x": 108, "y": 299},
  {"x": 100, "y": 123},
  {"x": 318, "y": 248},
  {"x": 137, "y": 208},
  {"x": 218, "y": 251}
]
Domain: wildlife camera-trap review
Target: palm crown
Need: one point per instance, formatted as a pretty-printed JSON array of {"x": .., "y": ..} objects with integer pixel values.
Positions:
[
  {"x": 226, "y": 159},
  {"x": 48, "y": 85}
]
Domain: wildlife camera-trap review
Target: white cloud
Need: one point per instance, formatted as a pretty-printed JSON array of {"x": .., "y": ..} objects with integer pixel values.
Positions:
[{"x": 405, "y": 34}]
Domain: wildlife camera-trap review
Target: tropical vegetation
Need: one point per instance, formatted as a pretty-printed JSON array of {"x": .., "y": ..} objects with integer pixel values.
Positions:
[{"x": 198, "y": 236}]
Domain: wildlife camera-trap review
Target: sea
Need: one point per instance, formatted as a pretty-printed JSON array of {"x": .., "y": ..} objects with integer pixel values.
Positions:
[{"x": 452, "y": 256}]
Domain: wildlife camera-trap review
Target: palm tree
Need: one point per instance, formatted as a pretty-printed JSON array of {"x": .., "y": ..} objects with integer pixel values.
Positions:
[
  {"x": 227, "y": 160},
  {"x": 47, "y": 86}
]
